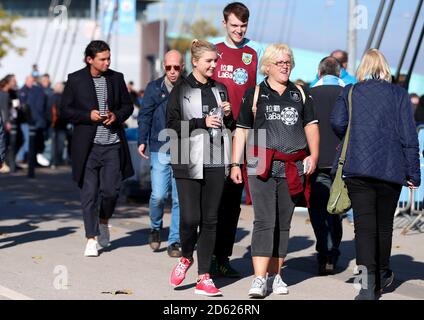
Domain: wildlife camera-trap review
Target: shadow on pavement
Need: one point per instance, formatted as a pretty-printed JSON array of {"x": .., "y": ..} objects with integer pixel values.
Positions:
[
  {"x": 36, "y": 236},
  {"x": 241, "y": 234},
  {"x": 298, "y": 243},
  {"x": 405, "y": 269},
  {"x": 24, "y": 226},
  {"x": 136, "y": 238}
]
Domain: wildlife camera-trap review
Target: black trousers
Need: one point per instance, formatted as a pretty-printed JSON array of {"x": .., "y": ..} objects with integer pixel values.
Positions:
[
  {"x": 228, "y": 217},
  {"x": 102, "y": 179},
  {"x": 327, "y": 227},
  {"x": 199, "y": 202},
  {"x": 374, "y": 204}
]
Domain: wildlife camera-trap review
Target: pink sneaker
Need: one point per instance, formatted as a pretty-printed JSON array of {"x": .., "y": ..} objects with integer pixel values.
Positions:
[
  {"x": 206, "y": 287},
  {"x": 179, "y": 272}
]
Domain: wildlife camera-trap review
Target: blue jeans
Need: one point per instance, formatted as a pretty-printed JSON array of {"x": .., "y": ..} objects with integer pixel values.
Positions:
[
  {"x": 161, "y": 176},
  {"x": 20, "y": 156}
]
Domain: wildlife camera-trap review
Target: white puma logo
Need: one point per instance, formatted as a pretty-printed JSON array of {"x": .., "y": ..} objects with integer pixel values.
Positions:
[
  {"x": 188, "y": 99},
  {"x": 265, "y": 96},
  {"x": 220, "y": 55}
]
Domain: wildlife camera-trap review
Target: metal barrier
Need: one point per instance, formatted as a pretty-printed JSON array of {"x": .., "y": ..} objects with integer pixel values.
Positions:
[{"x": 409, "y": 214}]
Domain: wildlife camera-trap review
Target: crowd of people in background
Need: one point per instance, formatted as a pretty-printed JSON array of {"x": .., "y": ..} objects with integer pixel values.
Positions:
[
  {"x": 235, "y": 85},
  {"x": 37, "y": 103}
]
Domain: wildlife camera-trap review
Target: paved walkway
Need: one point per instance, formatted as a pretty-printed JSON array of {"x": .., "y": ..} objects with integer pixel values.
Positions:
[{"x": 42, "y": 243}]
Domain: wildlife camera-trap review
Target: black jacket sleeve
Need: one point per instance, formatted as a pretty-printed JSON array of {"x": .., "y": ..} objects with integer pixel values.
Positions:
[
  {"x": 126, "y": 108},
  {"x": 68, "y": 108}
]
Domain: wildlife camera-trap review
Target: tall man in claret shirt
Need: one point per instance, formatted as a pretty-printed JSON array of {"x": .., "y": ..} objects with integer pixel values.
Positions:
[{"x": 237, "y": 69}]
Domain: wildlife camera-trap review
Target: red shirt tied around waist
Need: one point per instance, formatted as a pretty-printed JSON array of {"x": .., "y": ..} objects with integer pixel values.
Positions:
[{"x": 264, "y": 166}]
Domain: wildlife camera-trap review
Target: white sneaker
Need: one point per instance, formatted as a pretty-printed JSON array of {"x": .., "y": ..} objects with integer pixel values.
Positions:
[
  {"x": 91, "y": 248},
  {"x": 277, "y": 285},
  {"x": 104, "y": 236},
  {"x": 258, "y": 288},
  {"x": 5, "y": 168},
  {"x": 42, "y": 161}
]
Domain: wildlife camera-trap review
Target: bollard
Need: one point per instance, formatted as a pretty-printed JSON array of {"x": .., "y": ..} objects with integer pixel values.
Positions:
[{"x": 31, "y": 151}]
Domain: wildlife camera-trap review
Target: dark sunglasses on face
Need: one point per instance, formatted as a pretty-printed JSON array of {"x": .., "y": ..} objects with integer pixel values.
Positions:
[{"x": 176, "y": 68}]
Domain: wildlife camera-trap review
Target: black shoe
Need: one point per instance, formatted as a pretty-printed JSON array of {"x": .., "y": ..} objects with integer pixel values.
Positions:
[
  {"x": 227, "y": 271},
  {"x": 327, "y": 266},
  {"x": 174, "y": 250},
  {"x": 386, "y": 278},
  {"x": 331, "y": 264},
  {"x": 154, "y": 240},
  {"x": 322, "y": 271},
  {"x": 368, "y": 292}
]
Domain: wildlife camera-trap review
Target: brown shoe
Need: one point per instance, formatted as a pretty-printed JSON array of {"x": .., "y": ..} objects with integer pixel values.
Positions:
[
  {"x": 174, "y": 250},
  {"x": 154, "y": 240}
]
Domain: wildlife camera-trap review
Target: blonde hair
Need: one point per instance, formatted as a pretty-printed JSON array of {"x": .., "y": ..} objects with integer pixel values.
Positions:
[
  {"x": 272, "y": 52},
  {"x": 198, "y": 47},
  {"x": 374, "y": 66}
]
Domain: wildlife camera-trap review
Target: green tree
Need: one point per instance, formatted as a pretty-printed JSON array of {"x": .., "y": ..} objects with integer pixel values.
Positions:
[
  {"x": 201, "y": 29},
  {"x": 8, "y": 33}
]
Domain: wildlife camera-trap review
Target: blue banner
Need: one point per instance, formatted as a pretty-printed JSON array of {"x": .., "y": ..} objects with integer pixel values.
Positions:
[
  {"x": 127, "y": 17},
  {"x": 106, "y": 15}
]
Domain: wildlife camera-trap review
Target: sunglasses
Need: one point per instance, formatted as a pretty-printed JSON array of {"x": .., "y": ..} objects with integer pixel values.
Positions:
[{"x": 176, "y": 68}]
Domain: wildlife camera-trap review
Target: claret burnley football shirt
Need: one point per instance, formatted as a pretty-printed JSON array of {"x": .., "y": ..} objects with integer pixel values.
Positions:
[{"x": 237, "y": 70}]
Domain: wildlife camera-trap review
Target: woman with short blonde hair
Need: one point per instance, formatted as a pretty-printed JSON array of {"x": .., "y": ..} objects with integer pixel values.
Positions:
[
  {"x": 272, "y": 53},
  {"x": 290, "y": 152},
  {"x": 382, "y": 155}
]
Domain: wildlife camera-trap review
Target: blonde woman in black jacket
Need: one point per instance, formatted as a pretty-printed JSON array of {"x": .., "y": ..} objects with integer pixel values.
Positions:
[{"x": 198, "y": 109}]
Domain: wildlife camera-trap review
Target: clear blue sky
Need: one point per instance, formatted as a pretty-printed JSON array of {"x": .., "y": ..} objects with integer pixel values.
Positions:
[{"x": 319, "y": 25}]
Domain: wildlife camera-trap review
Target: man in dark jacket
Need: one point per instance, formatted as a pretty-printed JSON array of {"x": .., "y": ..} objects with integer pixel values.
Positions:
[
  {"x": 35, "y": 100},
  {"x": 327, "y": 228},
  {"x": 97, "y": 103},
  {"x": 151, "y": 121}
]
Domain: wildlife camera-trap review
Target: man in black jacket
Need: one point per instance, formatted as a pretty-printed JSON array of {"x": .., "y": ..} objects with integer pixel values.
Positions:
[
  {"x": 97, "y": 103},
  {"x": 327, "y": 228}
]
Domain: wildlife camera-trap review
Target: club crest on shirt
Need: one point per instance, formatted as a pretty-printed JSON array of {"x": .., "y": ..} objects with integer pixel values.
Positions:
[
  {"x": 247, "y": 58},
  {"x": 289, "y": 116},
  {"x": 295, "y": 96},
  {"x": 240, "y": 76}
]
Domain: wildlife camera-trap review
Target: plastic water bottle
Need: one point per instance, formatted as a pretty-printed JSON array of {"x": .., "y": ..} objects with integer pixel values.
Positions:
[{"x": 213, "y": 132}]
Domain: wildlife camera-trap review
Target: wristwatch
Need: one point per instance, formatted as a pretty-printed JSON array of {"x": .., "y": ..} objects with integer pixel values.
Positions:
[{"x": 234, "y": 164}]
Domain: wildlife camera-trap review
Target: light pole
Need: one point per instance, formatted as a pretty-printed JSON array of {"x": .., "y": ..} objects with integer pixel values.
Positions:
[{"x": 351, "y": 38}]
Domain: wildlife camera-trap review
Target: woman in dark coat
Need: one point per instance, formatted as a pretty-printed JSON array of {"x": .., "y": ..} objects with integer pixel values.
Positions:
[{"x": 382, "y": 155}]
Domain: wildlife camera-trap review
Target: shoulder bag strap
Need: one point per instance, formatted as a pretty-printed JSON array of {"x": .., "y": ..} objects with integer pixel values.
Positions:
[
  {"x": 346, "y": 140},
  {"x": 302, "y": 92}
]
